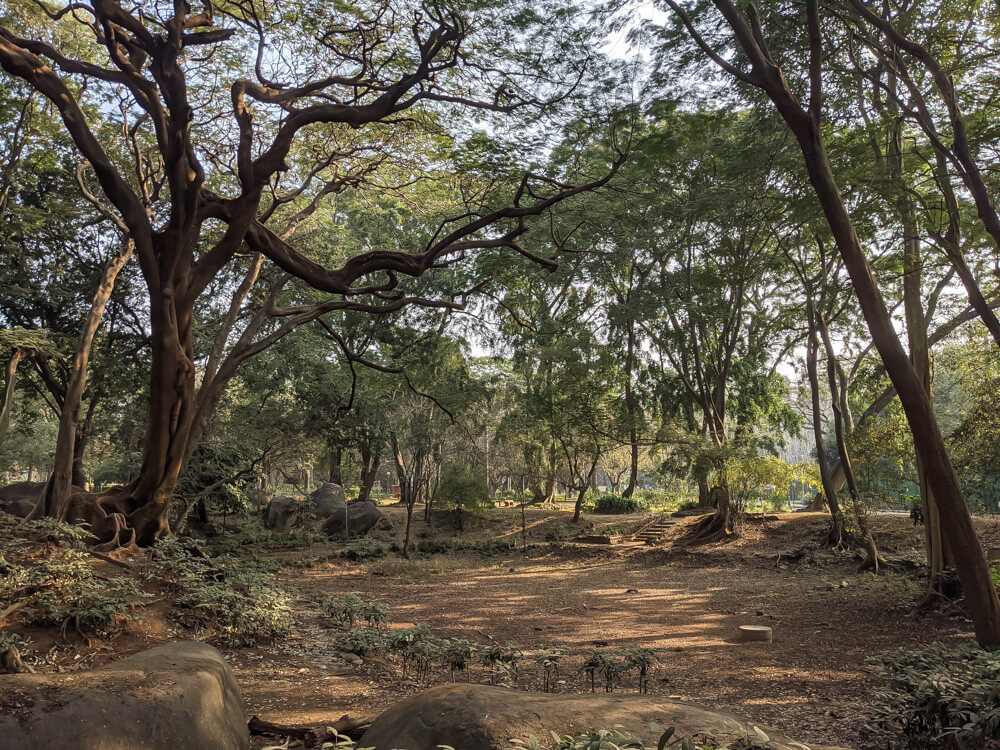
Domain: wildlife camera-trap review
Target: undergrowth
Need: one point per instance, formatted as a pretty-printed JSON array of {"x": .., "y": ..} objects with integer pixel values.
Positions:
[
  {"x": 47, "y": 575},
  {"x": 232, "y": 598}
]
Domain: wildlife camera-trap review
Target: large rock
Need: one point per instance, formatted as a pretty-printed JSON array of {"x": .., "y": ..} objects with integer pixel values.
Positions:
[
  {"x": 181, "y": 696},
  {"x": 20, "y": 491},
  {"x": 356, "y": 519},
  {"x": 327, "y": 499},
  {"x": 20, "y": 508},
  {"x": 481, "y": 717},
  {"x": 283, "y": 513}
]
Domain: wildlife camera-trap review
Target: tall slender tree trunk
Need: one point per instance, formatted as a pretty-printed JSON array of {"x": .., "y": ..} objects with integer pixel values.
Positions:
[
  {"x": 10, "y": 384},
  {"x": 630, "y": 406},
  {"x": 55, "y": 498},
  {"x": 836, "y": 534},
  {"x": 860, "y": 512},
  {"x": 336, "y": 465}
]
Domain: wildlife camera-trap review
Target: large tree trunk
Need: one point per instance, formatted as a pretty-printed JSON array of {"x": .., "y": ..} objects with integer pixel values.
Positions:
[{"x": 956, "y": 523}]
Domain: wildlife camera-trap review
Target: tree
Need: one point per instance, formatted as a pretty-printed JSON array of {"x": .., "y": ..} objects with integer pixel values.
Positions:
[
  {"x": 218, "y": 175},
  {"x": 744, "y": 24}
]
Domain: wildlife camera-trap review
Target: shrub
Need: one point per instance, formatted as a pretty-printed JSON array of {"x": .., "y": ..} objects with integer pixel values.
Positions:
[
  {"x": 361, "y": 549},
  {"x": 343, "y": 609},
  {"x": 938, "y": 695},
  {"x": 360, "y": 641},
  {"x": 236, "y": 598},
  {"x": 614, "y": 739},
  {"x": 616, "y": 504},
  {"x": 456, "y": 654},
  {"x": 434, "y": 546},
  {"x": 461, "y": 488},
  {"x": 502, "y": 660},
  {"x": 416, "y": 647},
  {"x": 375, "y": 614}
]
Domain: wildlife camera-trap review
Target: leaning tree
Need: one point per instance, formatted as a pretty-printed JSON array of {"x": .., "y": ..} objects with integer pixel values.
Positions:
[{"x": 199, "y": 122}]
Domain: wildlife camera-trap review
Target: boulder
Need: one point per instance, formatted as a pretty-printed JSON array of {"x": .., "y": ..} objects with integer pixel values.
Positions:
[
  {"x": 20, "y": 508},
  {"x": 181, "y": 696},
  {"x": 356, "y": 519},
  {"x": 327, "y": 499},
  {"x": 482, "y": 717},
  {"x": 20, "y": 491},
  {"x": 283, "y": 513}
]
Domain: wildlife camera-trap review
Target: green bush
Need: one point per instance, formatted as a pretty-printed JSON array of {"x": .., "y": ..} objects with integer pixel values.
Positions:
[
  {"x": 360, "y": 641},
  {"x": 610, "y": 503},
  {"x": 232, "y": 597},
  {"x": 434, "y": 546},
  {"x": 461, "y": 488},
  {"x": 361, "y": 549},
  {"x": 942, "y": 695}
]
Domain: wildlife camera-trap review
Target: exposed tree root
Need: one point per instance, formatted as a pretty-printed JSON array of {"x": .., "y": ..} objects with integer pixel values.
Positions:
[
  {"x": 713, "y": 528},
  {"x": 352, "y": 727}
]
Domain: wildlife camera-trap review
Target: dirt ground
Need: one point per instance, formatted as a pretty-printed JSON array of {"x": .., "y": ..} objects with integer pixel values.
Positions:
[{"x": 812, "y": 682}]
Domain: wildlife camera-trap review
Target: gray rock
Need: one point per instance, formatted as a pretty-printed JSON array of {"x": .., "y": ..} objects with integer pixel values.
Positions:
[
  {"x": 482, "y": 717},
  {"x": 181, "y": 696},
  {"x": 327, "y": 499},
  {"x": 356, "y": 519},
  {"x": 283, "y": 513}
]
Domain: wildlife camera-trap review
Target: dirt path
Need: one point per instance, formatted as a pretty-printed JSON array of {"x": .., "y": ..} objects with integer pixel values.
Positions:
[{"x": 812, "y": 682}]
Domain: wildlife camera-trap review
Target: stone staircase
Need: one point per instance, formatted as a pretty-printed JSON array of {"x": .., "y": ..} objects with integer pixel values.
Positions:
[{"x": 653, "y": 531}]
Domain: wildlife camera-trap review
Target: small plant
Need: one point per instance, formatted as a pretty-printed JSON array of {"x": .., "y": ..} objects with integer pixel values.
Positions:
[
  {"x": 361, "y": 549},
  {"x": 502, "y": 660},
  {"x": 234, "y": 597},
  {"x": 606, "y": 739},
  {"x": 360, "y": 641},
  {"x": 456, "y": 654},
  {"x": 61, "y": 588},
  {"x": 548, "y": 659},
  {"x": 416, "y": 647},
  {"x": 344, "y": 609},
  {"x": 641, "y": 660},
  {"x": 375, "y": 614},
  {"x": 594, "y": 665},
  {"x": 434, "y": 546}
]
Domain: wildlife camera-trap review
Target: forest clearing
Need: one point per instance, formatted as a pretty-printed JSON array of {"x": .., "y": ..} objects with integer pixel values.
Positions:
[{"x": 499, "y": 374}]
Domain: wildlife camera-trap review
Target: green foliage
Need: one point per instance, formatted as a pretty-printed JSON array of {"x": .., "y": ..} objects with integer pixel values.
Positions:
[
  {"x": 460, "y": 487},
  {"x": 457, "y": 654},
  {"x": 361, "y": 549},
  {"x": 548, "y": 659},
  {"x": 344, "y": 609},
  {"x": 360, "y": 641},
  {"x": 610, "y": 503},
  {"x": 59, "y": 582},
  {"x": 233, "y": 598},
  {"x": 942, "y": 694},
  {"x": 606, "y": 739},
  {"x": 434, "y": 546}
]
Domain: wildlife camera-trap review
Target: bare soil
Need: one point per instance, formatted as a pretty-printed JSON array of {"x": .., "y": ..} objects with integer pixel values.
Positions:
[{"x": 812, "y": 682}]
